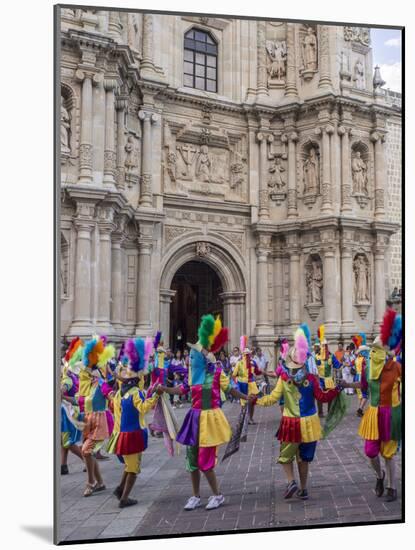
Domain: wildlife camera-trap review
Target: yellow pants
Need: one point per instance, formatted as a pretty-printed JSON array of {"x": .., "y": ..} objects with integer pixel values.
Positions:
[{"x": 132, "y": 463}]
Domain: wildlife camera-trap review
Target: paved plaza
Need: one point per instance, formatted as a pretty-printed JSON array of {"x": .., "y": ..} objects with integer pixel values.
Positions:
[{"x": 341, "y": 488}]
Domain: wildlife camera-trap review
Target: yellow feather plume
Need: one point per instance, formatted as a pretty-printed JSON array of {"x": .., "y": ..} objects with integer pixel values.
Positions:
[
  {"x": 321, "y": 333},
  {"x": 106, "y": 355},
  {"x": 217, "y": 327}
]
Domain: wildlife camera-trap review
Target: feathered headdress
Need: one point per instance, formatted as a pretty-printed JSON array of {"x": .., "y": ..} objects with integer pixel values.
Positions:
[
  {"x": 301, "y": 346},
  {"x": 284, "y": 348},
  {"x": 76, "y": 356},
  {"x": 212, "y": 336},
  {"x": 243, "y": 343},
  {"x": 305, "y": 328},
  {"x": 321, "y": 333},
  {"x": 357, "y": 340},
  {"x": 96, "y": 353},
  {"x": 391, "y": 329},
  {"x": 157, "y": 340},
  {"x": 135, "y": 351},
  {"x": 73, "y": 346},
  {"x": 121, "y": 353}
]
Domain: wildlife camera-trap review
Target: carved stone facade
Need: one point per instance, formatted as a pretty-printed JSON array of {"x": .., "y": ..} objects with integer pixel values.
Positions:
[{"x": 286, "y": 182}]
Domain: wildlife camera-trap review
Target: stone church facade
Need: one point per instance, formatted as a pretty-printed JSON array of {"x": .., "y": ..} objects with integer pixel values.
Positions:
[{"x": 275, "y": 162}]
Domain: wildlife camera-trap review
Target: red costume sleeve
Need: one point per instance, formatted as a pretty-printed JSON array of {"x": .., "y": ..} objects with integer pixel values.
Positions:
[{"x": 323, "y": 396}]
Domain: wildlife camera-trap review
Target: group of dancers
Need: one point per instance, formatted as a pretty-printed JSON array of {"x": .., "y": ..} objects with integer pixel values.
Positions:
[{"x": 104, "y": 401}]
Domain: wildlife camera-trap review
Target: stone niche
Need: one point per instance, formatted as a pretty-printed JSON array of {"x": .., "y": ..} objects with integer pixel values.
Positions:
[
  {"x": 308, "y": 47},
  {"x": 314, "y": 285},
  {"x": 361, "y": 171},
  {"x": 362, "y": 284},
  {"x": 276, "y": 54},
  {"x": 310, "y": 171}
]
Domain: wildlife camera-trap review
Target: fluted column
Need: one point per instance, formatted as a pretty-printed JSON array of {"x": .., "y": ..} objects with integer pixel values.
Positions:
[
  {"x": 380, "y": 174},
  {"x": 84, "y": 224},
  {"x": 262, "y": 75},
  {"x": 146, "y": 192},
  {"x": 380, "y": 293},
  {"x": 117, "y": 285},
  {"x": 234, "y": 315},
  {"x": 330, "y": 290},
  {"x": 346, "y": 185},
  {"x": 278, "y": 272},
  {"x": 144, "y": 286},
  {"x": 263, "y": 138},
  {"x": 295, "y": 284},
  {"x": 147, "y": 62},
  {"x": 347, "y": 286},
  {"x": 291, "y": 77},
  {"x": 105, "y": 225},
  {"x": 327, "y": 205},
  {"x": 325, "y": 79},
  {"x": 292, "y": 139},
  {"x": 262, "y": 252},
  {"x": 114, "y": 25},
  {"x": 109, "y": 150},
  {"x": 121, "y": 106}
]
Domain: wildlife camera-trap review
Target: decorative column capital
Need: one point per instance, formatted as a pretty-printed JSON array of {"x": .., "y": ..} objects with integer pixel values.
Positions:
[
  {"x": 148, "y": 115},
  {"x": 328, "y": 129},
  {"x": 145, "y": 245},
  {"x": 343, "y": 130},
  {"x": 167, "y": 295},
  {"x": 111, "y": 83},
  {"x": 377, "y": 136},
  {"x": 83, "y": 73},
  {"x": 85, "y": 210},
  {"x": 263, "y": 247},
  {"x": 121, "y": 102}
]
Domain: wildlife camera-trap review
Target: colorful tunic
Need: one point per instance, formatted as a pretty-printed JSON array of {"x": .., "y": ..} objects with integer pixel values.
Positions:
[
  {"x": 360, "y": 365},
  {"x": 93, "y": 401},
  {"x": 300, "y": 422},
  {"x": 381, "y": 379},
  {"x": 205, "y": 424},
  {"x": 70, "y": 435},
  {"x": 130, "y": 433},
  {"x": 245, "y": 377},
  {"x": 325, "y": 370}
]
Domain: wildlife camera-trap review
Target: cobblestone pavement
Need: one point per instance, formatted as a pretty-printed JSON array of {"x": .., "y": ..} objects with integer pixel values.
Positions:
[{"x": 341, "y": 488}]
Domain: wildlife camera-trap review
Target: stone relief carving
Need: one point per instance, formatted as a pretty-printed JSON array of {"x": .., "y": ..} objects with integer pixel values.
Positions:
[
  {"x": 311, "y": 174},
  {"x": 361, "y": 278},
  {"x": 277, "y": 56},
  {"x": 359, "y": 174},
  {"x": 202, "y": 249},
  {"x": 314, "y": 280},
  {"x": 131, "y": 161},
  {"x": 65, "y": 130},
  {"x": 171, "y": 232},
  {"x": 276, "y": 182},
  {"x": 359, "y": 75},
  {"x": 309, "y": 53},
  {"x": 64, "y": 266},
  {"x": 357, "y": 34},
  {"x": 203, "y": 164}
]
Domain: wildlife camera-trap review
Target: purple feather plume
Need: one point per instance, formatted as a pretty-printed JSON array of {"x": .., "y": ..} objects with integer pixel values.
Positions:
[
  {"x": 157, "y": 339},
  {"x": 131, "y": 351},
  {"x": 121, "y": 352}
]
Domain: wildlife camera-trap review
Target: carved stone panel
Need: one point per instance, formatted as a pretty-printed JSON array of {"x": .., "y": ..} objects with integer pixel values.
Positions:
[
  {"x": 361, "y": 271},
  {"x": 309, "y": 51}
]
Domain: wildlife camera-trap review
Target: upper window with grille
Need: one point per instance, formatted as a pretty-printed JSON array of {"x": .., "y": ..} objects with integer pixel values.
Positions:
[{"x": 200, "y": 61}]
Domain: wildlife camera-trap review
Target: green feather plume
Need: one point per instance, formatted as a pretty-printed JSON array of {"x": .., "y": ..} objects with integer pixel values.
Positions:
[
  {"x": 206, "y": 328},
  {"x": 106, "y": 355},
  {"x": 77, "y": 356}
]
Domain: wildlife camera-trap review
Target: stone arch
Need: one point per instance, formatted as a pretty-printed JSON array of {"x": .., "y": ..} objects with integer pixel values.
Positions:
[{"x": 226, "y": 264}]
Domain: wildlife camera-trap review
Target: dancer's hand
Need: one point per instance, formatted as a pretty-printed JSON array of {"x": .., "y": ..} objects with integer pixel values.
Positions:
[{"x": 160, "y": 389}]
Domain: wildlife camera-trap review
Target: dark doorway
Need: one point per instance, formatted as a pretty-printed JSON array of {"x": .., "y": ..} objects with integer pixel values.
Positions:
[{"x": 197, "y": 289}]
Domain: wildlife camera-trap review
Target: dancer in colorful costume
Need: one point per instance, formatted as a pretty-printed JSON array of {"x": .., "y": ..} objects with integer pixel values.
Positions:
[
  {"x": 300, "y": 428},
  {"x": 244, "y": 373},
  {"x": 92, "y": 399},
  {"x": 71, "y": 432},
  {"x": 381, "y": 425},
  {"x": 129, "y": 438},
  {"x": 361, "y": 363},
  {"x": 325, "y": 362},
  {"x": 205, "y": 426}
]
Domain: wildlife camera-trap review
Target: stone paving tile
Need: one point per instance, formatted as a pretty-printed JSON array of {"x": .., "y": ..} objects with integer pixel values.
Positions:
[{"x": 341, "y": 488}]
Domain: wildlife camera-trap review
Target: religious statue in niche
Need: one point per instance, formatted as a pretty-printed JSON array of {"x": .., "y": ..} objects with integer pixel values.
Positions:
[
  {"x": 361, "y": 279},
  {"x": 276, "y": 182},
  {"x": 65, "y": 129},
  {"x": 314, "y": 281},
  {"x": 131, "y": 161},
  {"x": 359, "y": 175},
  {"x": 171, "y": 165},
  {"x": 311, "y": 173},
  {"x": 359, "y": 75},
  {"x": 277, "y": 53},
  {"x": 203, "y": 164},
  {"x": 309, "y": 53}
]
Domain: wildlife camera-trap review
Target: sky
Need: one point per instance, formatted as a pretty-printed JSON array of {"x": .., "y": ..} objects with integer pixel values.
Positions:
[{"x": 387, "y": 52}]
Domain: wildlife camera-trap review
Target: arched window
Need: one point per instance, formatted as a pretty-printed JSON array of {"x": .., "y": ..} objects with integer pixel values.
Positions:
[{"x": 200, "y": 61}]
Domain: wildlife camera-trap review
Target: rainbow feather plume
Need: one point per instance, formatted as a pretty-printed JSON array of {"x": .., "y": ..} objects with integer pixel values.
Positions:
[
  {"x": 76, "y": 356},
  {"x": 220, "y": 340},
  {"x": 301, "y": 346},
  {"x": 205, "y": 330},
  {"x": 75, "y": 342},
  {"x": 93, "y": 348},
  {"x": 107, "y": 354},
  {"x": 357, "y": 340},
  {"x": 243, "y": 343},
  {"x": 363, "y": 337},
  {"x": 386, "y": 327},
  {"x": 131, "y": 352},
  {"x": 305, "y": 328},
  {"x": 217, "y": 327}
]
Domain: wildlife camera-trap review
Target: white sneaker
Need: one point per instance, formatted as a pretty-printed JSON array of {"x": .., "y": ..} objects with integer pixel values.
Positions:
[
  {"x": 192, "y": 503},
  {"x": 215, "y": 501}
]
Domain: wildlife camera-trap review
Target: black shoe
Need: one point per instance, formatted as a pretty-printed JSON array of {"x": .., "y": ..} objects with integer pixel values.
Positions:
[
  {"x": 117, "y": 492},
  {"x": 391, "y": 495},
  {"x": 359, "y": 412},
  {"x": 379, "y": 485},
  {"x": 64, "y": 469},
  {"x": 128, "y": 502},
  {"x": 302, "y": 494},
  {"x": 291, "y": 489}
]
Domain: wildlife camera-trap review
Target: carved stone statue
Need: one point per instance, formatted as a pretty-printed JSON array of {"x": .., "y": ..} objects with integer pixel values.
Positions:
[
  {"x": 309, "y": 49},
  {"x": 361, "y": 276},
  {"x": 276, "y": 170},
  {"x": 359, "y": 174},
  {"x": 130, "y": 157},
  {"x": 359, "y": 75},
  {"x": 203, "y": 164},
  {"x": 202, "y": 249},
  {"x": 277, "y": 53},
  {"x": 171, "y": 165},
  {"x": 311, "y": 173},
  {"x": 65, "y": 129},
  {"x": 314, "y": 282}
]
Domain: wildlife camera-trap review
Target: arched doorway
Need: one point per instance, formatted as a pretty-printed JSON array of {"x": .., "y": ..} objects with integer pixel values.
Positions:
[{"x": 198, "y": 291}]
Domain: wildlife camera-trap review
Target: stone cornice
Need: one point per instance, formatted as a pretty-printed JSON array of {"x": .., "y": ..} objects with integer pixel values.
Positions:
[
  {"x": 219, "y": 207},
  {"x": 386, "y": 228},
  {"x": 145, "y": 215},
  {"x": 90, "y": 193},
  {"x": 89, "y": 39}
]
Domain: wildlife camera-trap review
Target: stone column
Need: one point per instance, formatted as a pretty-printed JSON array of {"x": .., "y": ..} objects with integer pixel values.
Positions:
[
  {"x": 295, "y": 283},
  {"x": 105, "y": 225},
  {"x": 109, "y": 150},
  {"x": 262, "y": 75},
  {"x": 146, "y": 192},
  {"x": 121, "y": 106},
  {"x": 262, "y": 252},
  {"x": 234, "y": 315},
  {"x": 380, "y": 293},
  {"x": 380, "y": 174},
  {"x": 278, "y": 288},
  {"x": 114, "y": 25},
  {"x": 346, "y": 185},
  {"x": 81, "y": 324},
  {"x": 263, "y": 138},
  {"x": 147, "y": 62},
  {"x": 325, "y": 80},
  {"x": 326, "y": 205},
  {"x": 166, "y": 297},
  {"x": 145, "y": 246},
  {"x": 330, "y": 288},
  {"x": 291, "y": 138},
  {"x": 347, "y": 284},
  {"x": 117, "y": 286},
  {"x": 291, "y": 78},
  {"x": 85, "y": 146}
]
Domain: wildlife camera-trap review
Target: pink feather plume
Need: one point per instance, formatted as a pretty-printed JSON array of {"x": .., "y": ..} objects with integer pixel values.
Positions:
[
  {"x": 148, "y": 348},
  {"x": 131, "y": 351},
  {"x": 301, "y": 346},
  {"x": 243, "y": 343},
  {"x": 284, "y": 348}
]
